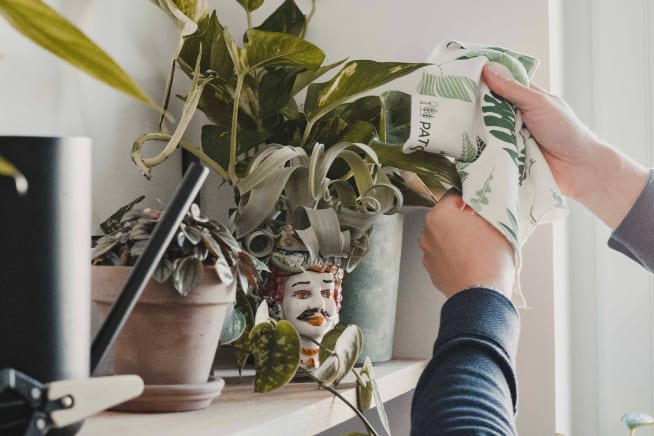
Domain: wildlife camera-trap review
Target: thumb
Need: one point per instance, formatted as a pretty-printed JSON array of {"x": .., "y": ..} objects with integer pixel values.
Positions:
[{"x": 502, "y": 83}]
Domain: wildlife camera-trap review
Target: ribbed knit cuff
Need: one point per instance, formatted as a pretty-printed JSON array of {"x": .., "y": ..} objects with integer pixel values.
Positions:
[{"x": 484, "y": 313}]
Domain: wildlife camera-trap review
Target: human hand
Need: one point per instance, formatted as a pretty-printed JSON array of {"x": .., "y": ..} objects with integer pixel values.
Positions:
[
  {"x": 585, "y": 168},
  {"x": 461, "y": 249},
  {"x": 566, "y": 143}
]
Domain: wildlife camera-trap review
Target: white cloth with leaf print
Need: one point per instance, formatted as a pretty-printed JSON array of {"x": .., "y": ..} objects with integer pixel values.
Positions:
[{"x": 504, "y": 176}]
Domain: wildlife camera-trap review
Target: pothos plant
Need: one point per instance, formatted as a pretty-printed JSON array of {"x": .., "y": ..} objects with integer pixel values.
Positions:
[{"x": 286, "y": 139}]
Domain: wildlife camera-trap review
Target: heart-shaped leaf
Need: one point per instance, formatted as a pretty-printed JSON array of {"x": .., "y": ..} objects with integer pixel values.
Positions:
[
  {"x": 250, "y": 5},
  {"x": 328, "y": 370},
  {"x": 268, "y": 49},
  {"x": 276, "y": 351},
  {"x": 215, "y": 55},
  {"x": 287, "y": 18},
  {"x": 163, "y": 271},
  {"x": 233, "y": 327},
  {"x": 345, "y": 344},
  {"x": 187, "y": 274}
]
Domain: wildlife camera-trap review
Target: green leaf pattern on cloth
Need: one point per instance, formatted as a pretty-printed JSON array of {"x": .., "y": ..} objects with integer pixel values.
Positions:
[
  {"x": 459, "y": 87},
  {"x": 469, "y": 151},
  {"x": 481, "y": 197},
  {"x": 504, "y": 176}
]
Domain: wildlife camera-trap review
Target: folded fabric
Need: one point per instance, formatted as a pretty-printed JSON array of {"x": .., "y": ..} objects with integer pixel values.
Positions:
[{"x": 504, "y": 176}]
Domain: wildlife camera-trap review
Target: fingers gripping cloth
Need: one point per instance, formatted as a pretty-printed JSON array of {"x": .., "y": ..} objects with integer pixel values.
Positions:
[{"x": 504, "y": 176}]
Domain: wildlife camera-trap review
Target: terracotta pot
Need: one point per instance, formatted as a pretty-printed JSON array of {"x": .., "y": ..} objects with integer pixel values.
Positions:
[{"x": 168, "y": 339}]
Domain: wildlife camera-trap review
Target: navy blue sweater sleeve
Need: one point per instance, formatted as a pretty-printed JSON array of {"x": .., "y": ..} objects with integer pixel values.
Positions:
[
  {"x": 634, "y": 236},
  {"x": 469, "y": 386}
]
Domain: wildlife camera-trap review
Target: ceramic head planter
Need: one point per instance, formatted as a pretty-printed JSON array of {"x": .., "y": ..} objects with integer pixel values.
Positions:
[
  {"x": 304, "y": 290},
  {"x": 310, "y": 300}
]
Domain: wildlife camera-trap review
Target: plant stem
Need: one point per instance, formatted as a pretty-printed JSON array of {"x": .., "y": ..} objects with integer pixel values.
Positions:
[
  {"x": 334, "y": 392},
  {"x": 166, "y": 98},
  {"x": 234, "y": 130},
  {"x": 307, "y": 132},
  {"x": 249, "y": 18},
  {"x": 195, "y": 151}
]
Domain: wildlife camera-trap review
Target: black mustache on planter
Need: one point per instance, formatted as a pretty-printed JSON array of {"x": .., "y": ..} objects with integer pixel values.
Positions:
[{"x": 311, "y": 312}]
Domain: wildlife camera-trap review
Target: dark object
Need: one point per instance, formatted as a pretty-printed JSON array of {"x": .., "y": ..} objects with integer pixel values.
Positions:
[
  {"x": 44, "y": 258},
  {"x": 161, "y": 236},
  {"x": 45, "y": 273}
]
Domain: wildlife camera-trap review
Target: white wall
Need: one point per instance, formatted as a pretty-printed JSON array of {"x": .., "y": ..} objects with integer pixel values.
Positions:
[{"x": 50, "y": 99}]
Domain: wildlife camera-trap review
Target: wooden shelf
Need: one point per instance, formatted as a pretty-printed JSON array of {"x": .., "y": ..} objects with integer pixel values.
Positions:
[{"x": 297, "y": 409}]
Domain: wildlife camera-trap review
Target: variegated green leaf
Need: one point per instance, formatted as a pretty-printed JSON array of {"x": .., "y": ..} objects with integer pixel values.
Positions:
[
  {"x": 215, "y": 55},
  {"x": 9, "y": 170},
  {"x": 250, "y": 5},
  {"x": 47, "y": 28},
  {"x": 287, "y": 18},
  {"x": 305, "y": 78},
  {"x": 185, "y": 13},
  {"x": 276, "y": 351},
  {"x": 354, "y": 78},
  {"x": 163, "y": 271},
  {"x": 113, "y": 223},
  {"x": 187, "y": 274},
  {"x": 267, "y": 49},
  {"x": 224, "y": 271}
]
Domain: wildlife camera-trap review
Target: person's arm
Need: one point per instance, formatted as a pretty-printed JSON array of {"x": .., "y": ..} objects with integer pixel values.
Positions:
[
  {"x": 469, "y": 385},
  {"x": 634, "y": 236}
]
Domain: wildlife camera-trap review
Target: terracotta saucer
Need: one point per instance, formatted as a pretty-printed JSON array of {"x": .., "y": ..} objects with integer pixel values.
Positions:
[{"x": 174, "y": 398}]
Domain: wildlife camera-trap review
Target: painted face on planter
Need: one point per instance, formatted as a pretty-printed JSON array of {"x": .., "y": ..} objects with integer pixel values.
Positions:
[{"x": 309, "y": 303}]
